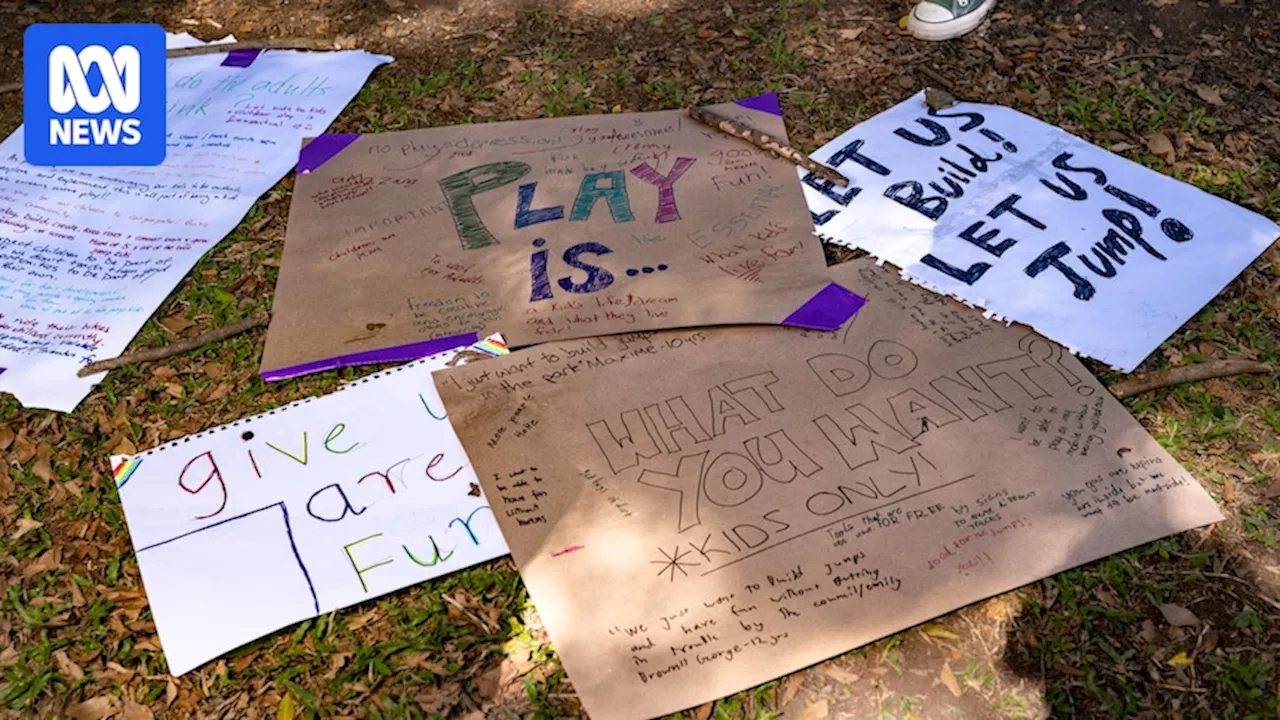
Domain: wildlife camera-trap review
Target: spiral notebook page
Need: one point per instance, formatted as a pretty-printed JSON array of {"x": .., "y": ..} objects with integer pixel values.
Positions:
[{"x": 250, "y": 527}]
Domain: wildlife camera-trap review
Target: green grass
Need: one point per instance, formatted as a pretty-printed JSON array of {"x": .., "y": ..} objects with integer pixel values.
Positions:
[{"x": 1084, "y": 626}]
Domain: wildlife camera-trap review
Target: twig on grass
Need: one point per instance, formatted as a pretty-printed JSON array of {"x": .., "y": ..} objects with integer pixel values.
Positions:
[
  {"x": 937, "y": 77},
  {"x": 768, "y": 144},
  {"x": 167, "y": 351},
  {"x": 1146, "y": 382}
]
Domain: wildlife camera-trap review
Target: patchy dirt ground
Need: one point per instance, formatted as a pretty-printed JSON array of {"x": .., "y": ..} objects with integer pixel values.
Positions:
[{"x": 1187, "y": 87}]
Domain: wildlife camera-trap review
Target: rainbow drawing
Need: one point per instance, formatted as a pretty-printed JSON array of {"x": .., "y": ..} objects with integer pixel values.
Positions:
[
  {"x": 124, "y": 470},
  {"x": 492, "y": 346}
]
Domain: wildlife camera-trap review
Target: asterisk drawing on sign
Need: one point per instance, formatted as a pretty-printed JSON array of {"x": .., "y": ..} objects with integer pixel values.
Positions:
[{"x": 673, "y": 562}]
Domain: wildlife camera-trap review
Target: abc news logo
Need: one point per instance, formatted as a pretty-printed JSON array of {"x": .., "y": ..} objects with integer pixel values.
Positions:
[
  {"x": 95, "y": 95},
  {"x": 69, "y": 88}
]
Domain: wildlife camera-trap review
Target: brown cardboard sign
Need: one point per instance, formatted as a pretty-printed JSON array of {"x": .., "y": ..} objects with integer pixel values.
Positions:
[
  {"x": 697, "y": 512},
  {"x": 401, "y": 244}
]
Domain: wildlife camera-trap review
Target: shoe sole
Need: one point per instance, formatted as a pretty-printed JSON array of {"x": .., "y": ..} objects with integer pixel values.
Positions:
[{"x": 950, "y": 29}]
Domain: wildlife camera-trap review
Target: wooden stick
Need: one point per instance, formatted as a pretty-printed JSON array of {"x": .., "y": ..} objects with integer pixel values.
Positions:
[
  {"x": 213, "y": 49},
  {"x": 767, "y": 143},
  {"x": 166, "y": 351},
  {"x": 1146, "y": 382},
  {"x": 268, "y": 44},
  {"x": 937, "y": 77}
]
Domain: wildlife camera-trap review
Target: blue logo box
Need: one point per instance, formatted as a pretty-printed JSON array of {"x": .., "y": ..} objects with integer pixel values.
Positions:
[{"x": 94, "y": 95}]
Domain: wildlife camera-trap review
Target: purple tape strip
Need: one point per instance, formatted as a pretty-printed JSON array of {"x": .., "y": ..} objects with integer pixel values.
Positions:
[
  {"x": 400, "y": 353},
  {"x": 241, "y": 58},
  {"x": 767, "y": 102},
  {"x": 322, "y": 149},
  {"x": 828, "y": 310}
]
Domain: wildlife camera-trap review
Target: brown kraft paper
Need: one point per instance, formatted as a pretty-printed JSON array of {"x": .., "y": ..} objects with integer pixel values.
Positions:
[
  {"x": 697, "y": 512},
  {"x": 542, "y": 230}
]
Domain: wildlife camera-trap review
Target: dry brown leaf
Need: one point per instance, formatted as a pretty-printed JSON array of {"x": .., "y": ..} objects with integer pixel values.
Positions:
[
  {"x": 948, "y": 678},
  {"x": 244, "y": 661},
  {"x": 704, "y": 711},
  {"x": 77, "y": 596},
  {"x": 337, "y": 661},
  {"x": 362, "y": 619},
  {"x": 813, "y": 711},
  {"x": 1210, "y": 94},
  {"x": 439, "y": 700},
  {"x": 1157, "y": 32},
  {"x": 66, "y": 666},
  {"x": 851, "y": 33},
  {"x": 1209, "y": 641},
  {"x": 23, "y": 449},
  {"x": 223, "y": 390},
  {"x": 1178, "y": 616},
  {"x": 790, "y": 687},
  {"x": 95, "y": 709},
  {"x": 47, "y": 562},
  {"x": 26, "y": 525},
  {"x": 170, "y": 692},
  {"x": 174, "y": 389},
  {"x": 164, "y": 372},
  {"x": 135, "y": 711},
  {"x": 414, "y": 661},
  {"x": 6, "y": 437},
  {"x": 489, "y": 682},
  {"x": 116, "y": 674},
  {"x": 125, "y": 447},
  {"x": 1159, "y": 145},
  {"x": 838, "y": 674},
  {"x": 1002, "y": 607},
  {"x": 935, "y": 630},
  {"x": 151, "y": 644},
  {"x": 43, "y": 469}
]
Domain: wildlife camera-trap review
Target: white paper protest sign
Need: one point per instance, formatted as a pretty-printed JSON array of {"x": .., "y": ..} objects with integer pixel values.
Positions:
[
  {"x": 87, "y": 254},
  {"x": 1033, "y": 224},
  {"x": 249, "y": 527}
]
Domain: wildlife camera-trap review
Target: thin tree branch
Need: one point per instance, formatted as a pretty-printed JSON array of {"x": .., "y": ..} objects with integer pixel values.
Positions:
[
  {"x": 167, "y": 351},
  {"x": 768, "y": 144},
  {"x": 1146, "y": 382}
]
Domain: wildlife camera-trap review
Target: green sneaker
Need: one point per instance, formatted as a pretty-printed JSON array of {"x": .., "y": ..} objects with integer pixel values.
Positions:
[{"x": 946, "y": 19}]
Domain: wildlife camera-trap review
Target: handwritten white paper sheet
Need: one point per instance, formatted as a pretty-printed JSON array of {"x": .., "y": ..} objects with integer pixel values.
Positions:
[
  {"x": 328, "y": 502},
  {"x": 87, "y": 254},
  {"x": 1033, "y": 224}
]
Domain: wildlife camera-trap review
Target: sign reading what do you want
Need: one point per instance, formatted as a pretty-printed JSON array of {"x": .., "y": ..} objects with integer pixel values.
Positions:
[
  {"x": 325, "y": 503},
  {"x": 543, "y": 230},
  {"x": 783, "y": 481},
  {"x": 1003, "y": 211}
]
